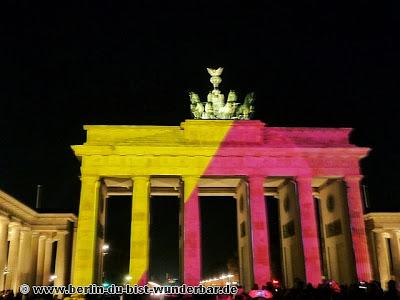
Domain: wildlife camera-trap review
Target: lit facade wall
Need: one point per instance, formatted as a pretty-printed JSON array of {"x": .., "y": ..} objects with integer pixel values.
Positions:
[
  {"x": 292, "y": 248},
  {"x": 339, "y": 258},
  {"x": 200, "y": 149}
]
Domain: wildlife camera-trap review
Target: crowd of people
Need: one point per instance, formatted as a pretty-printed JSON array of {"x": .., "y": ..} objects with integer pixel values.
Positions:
[{"x": 329, "y": 290}]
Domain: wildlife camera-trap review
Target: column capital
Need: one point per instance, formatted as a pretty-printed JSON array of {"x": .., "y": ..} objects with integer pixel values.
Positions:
[
  {"x": 190, "y": 177},
  {"x": 89, "y": 178},
  {"x": 378, "y": 230},
  {"x": 256, "y": 177},
  {"x": 42, "y": 236},
  {"x": 14, "y": 224},
  {"x": 25, "y": 228},
  {"x": 4, "y": 219},
  {"x": 61, "y": 234},
  {"x": 303, "y": 178},
  {"x": 352, "y": 178},
  {"x": 190, "y": 181},
  {"x": 140, "y": 177}
]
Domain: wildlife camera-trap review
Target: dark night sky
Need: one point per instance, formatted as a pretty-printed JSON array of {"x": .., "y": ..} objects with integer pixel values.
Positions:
[{"x": 65, "y": 64}]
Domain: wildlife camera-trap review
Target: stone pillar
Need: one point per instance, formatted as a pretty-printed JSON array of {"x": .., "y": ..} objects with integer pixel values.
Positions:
[
  {"x": 309, "y": 231},
  {"x": 357, "y": 228},
  {"x": 244, "y": 235},
  {"x": 34, "y": 251},
  {"x": 48, "y": 251},
  {"x": 259, "y": 231},
  {"x": 382, "y": 256},
  {"x": 24, "y": 258},
  {"x": 40, "y": 260},
  {"x": 86, "y": 242},
  {"x": 3, "y": 248},
  {"x": 140, "y": 242},
  {"x": 61, "y": 256},
  {"x": 13, "y": 256},
  {"x": 395, "y": 244},
  {"x": 191, "y": 232}
]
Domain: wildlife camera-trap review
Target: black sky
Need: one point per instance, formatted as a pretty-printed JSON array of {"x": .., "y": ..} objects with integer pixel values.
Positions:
[{"x": 69, "y": 63}]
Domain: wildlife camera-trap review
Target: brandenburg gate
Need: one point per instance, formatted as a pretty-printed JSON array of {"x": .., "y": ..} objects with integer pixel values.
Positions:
[{"x": 313, "y": 173}]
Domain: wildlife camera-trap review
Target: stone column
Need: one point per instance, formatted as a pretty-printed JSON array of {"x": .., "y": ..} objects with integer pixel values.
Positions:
[
  {"x": 191, "y": 231},
  {"x": 395, "y": 244},
  {"x": 140, "y": 244},
  {"x": 48, "y": 251},
  {"x": 357, "y": 228},
  {"x": 40, "y": 260},
  {"x": 309, "y": 231},
  {"x": 24, "y": 257},
  {"x": 382, "y": 256},
  {"x": 34, "y": 251},
  {"x": 13, "y": 256},
  {"x": 61, "y": 256},
  {"x": 259, "y": 231},
  {"x": 3, "y": 248},
  {"x": 86, "y": 242}
]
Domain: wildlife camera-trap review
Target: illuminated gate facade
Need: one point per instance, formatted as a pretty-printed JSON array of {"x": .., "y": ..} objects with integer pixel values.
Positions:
[{"x": 312, "y": 172}]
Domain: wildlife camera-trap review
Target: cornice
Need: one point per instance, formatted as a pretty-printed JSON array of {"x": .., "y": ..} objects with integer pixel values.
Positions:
[{"x": 10, "y": 206}]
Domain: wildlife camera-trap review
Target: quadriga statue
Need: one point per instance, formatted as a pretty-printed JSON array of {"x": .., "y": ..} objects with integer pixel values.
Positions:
[
  {"x": 246, "y": 110},
  {"x": 216, "y": 108},
  {"x": 228, "y": 111},
  {"x": 196, "y": 106}
]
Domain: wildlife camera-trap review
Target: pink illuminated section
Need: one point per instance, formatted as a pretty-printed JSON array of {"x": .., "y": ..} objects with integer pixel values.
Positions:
[
  {"x": 252, "y": 150},
  {"x": 144, "y": 279},
  {"x": 259, "y": 226},
  {"x": 309, "y": 231},
  {"x": 191, "y": 239},
  {"x": 357, "y": 226},
  {"x": 246, "y": 133}
]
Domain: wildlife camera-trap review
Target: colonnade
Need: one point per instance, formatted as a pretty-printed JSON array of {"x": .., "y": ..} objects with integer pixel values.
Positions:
[
  {"x": 258, "y": 250},
  {"x": 383, "y": 230},
  {"x": 387, "y": 245},
  {"x": 26, "y": 255}
]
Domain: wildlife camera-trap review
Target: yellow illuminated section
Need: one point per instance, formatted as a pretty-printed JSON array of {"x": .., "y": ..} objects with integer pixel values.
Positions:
[
  {"x": 85, "y": 250},
  {"x": 139, "y": 250},
  {"x": 138, "y": 152}
]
